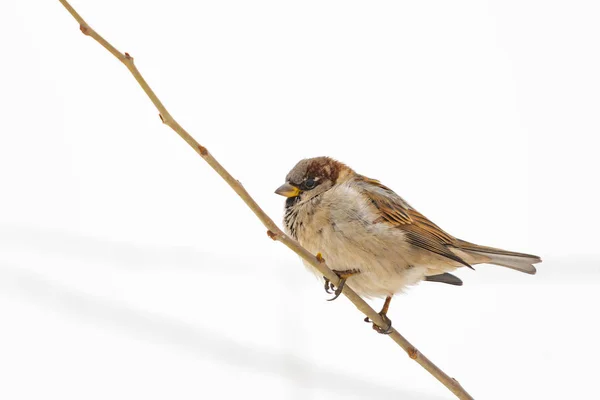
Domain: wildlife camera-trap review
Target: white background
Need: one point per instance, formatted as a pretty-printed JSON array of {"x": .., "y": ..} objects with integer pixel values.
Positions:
[{"x": 129, "y": 270}]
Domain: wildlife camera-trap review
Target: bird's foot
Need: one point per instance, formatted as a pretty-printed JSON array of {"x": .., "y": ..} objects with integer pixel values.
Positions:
[
  {"x": 337, "y": 291},
  {"x": 383, "y": 330},
  {"x": 328, "y": 285}
]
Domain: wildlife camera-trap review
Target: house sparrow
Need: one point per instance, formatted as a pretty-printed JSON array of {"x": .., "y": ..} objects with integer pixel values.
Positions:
[{"x": 372, "y": 238}]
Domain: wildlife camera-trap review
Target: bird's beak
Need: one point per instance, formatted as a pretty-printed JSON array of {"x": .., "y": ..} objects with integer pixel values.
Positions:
[{"x": 288, "y": 190}]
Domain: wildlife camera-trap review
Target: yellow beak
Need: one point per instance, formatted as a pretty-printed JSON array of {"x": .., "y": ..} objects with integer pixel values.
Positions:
[{"x": 288, "y": 190}]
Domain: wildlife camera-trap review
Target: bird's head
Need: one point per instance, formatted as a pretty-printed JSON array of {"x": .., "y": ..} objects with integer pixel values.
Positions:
[{"x": 312, "y": 177}]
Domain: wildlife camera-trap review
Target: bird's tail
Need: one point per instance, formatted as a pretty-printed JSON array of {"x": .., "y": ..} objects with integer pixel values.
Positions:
[{"x": 509, "y": 259}]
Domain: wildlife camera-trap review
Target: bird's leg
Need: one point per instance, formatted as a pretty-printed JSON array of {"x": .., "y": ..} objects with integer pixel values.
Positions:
[
  {"x": 387, "y": 330},
  {"x": 343, "y": 275}
]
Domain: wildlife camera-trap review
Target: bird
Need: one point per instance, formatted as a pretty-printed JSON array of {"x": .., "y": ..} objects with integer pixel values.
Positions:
[{"x": 372, "y": 238}]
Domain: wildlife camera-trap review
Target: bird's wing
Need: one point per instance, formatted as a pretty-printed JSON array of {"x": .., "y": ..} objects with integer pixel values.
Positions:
[{"x": 418, "y": 230}]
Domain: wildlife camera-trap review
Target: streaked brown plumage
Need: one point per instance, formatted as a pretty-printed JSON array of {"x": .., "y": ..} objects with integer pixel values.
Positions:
[{"x": 359, "y": 224}]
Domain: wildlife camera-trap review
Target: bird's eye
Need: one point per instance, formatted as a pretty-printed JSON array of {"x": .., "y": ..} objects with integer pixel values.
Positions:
[{"x": 309, "y": 183}]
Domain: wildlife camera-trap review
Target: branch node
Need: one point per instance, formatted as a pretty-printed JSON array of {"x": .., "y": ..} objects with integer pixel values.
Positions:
[
  {"x": 202, "y": 150},
  {"x": 84, "y": 29},
  {"x": 413, "y": 353},
  {"x": 128, "y": 57},
  {"x": 162, "y": 118},
  {"x": 320, "y": 258},
  {"x": 271, "y": 235}
]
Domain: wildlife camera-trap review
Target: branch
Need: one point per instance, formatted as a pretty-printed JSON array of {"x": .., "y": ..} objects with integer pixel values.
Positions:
[{"x": 273, "y": 231}]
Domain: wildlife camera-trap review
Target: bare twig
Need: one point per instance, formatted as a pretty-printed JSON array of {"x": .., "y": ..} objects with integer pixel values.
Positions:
[{"x": 273, "y": 231}]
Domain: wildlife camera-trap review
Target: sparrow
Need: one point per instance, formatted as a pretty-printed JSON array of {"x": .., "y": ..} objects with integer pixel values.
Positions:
[{"x": 372, "y": 238}]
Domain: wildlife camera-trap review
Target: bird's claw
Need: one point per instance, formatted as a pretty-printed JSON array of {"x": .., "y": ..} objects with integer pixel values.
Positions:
[
  {"x": 336, "y": 291},
  {"x": 328, "y": 285},
  {"x": 384, "y": 331},
  {"x": 343, "y": 275}
]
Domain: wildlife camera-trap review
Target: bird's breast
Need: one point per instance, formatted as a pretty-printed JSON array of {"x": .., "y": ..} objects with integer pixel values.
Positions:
[{"x": 345, "y": 231}]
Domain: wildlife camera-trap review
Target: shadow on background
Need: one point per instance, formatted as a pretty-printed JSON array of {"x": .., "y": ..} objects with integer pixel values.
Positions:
[
  {"x": 122, "y": 254},
  {"x": 147, "y": 257},
  {"x": 193, "y": 340}
]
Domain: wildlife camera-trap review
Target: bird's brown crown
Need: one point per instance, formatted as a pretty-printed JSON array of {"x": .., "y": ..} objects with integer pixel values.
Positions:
[{"x": 318, "y": 167}]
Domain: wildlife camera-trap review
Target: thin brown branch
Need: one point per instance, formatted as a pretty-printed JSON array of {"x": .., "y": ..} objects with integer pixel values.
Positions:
[{"x": 272, "y": 230}]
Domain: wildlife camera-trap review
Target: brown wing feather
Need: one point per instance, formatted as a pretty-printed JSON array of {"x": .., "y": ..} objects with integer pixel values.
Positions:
[
  {"x": 419, "y": 230},
  {"x": 393, "y": 208}
]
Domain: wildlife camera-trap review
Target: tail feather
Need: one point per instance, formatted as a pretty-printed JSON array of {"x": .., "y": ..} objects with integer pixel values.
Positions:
[{"x": 509, "y": 259}]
